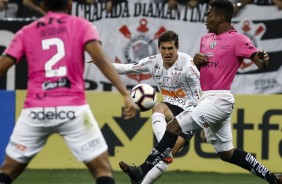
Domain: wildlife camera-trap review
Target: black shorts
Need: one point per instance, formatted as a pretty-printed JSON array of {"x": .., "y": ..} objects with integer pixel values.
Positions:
[{"x": 187, "y": 136}]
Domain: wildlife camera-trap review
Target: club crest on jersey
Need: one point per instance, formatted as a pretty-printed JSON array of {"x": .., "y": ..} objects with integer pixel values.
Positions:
[
  {"x": 254, "y": 32},
  {"x": 213, "y": 44},
  {"x": 176, "y": 76}
]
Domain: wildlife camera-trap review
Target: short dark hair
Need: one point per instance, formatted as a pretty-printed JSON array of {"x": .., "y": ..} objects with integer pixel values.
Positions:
[
  {"x": 168, "y": 36},
  {"x": 224, "y": 8},
  {"x": 56, "y": 5}
]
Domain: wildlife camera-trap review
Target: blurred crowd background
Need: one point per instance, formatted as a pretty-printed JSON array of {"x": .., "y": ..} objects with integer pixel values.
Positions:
[{"x": 32, "y": 8}]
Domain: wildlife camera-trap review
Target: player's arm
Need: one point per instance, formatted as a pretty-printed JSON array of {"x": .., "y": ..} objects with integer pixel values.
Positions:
[
  {"x": 124, "y": 68},
  {"x": 5, "y": 63},
  {"x": 33, "y": 7},
  {"x": 261, "y": 59},
  {"x": 103, "y": 63},
  {"x": 141, "y": 66}
]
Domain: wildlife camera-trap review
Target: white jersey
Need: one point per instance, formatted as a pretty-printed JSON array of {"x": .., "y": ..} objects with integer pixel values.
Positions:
[{"x": 178, "y": 84}]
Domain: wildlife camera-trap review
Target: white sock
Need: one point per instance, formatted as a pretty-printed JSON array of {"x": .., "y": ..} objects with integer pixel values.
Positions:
[
  {"x": 158, "y": 125},
  {"x": 155, "y": 173}
]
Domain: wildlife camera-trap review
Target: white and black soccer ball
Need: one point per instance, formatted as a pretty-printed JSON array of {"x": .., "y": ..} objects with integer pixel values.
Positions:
[{"x": 144, "y": 96}]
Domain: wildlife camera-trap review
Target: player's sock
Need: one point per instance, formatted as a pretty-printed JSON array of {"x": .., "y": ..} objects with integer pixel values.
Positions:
[
  {"x": 163, "y": 148},
  {"x": 248, "y": 162},
  {"x": 155, "y": 173},
  {"x": 158, "y": 125},
  {"x": 105, "y": 180},
  {"x": 5, "y": 179}
]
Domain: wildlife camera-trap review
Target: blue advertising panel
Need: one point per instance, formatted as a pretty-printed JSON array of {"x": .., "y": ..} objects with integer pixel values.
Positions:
[{"x": 7, "y": 119}]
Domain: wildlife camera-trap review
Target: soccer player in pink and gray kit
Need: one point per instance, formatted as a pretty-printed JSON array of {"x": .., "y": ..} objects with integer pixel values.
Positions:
[
  {"x": 55, "y": 103},
  {"x": 222, "y": 51}
]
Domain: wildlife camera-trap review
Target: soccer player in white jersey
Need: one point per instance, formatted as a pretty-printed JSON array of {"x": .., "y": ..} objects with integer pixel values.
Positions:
[
  {"x": 222, "y": 51},
  {"x": 177, "y": 79},
  {"x": 55, "y": 103}
]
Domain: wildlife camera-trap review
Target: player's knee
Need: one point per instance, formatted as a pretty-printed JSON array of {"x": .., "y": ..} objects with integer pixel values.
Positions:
[
  {"x": 102, "y": 170},
  {"x": 225, "y": 155},
  {"x": 159, "y": 107},
  {"x": 173, "y": 126}
]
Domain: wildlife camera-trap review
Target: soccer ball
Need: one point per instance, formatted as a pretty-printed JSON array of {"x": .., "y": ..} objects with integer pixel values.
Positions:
[{"x": 144, "y": 96}]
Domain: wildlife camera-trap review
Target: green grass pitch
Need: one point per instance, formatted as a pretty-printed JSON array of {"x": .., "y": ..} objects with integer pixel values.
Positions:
[{"x": 81, "y": 176}]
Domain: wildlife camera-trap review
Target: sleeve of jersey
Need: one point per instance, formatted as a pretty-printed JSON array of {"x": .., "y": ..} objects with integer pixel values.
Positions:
[
  {"x": 16, "y": 47},
  {"x": 193, "y": 68},
  {"x": 201, "y": 44},
  {"x": 140, "y": 67},
  {"x": 244, "y": 47},
  {"x": 90, "y": 32}
]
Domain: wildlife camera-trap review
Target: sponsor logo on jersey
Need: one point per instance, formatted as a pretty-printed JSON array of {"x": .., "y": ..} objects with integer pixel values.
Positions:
[
  {"x": 212, "y": 64},
  {"x": 63, "y": 82},
  {"x": 204, "y": 122},
  {"x": 91, "y": 144},
  {"x": 175, "y": 93},
  {"x": 154, "y": 152},
  {"x": 52, "y": 114},
  {"x": 157, "y": 121},
  {"x": 19, "y": 147},
  {"x": 257, "y": 167},
  {"x": 209, "y": 54}
]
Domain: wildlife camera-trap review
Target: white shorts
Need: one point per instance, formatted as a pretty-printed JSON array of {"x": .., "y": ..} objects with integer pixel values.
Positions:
[
  {"x": 213, "y": 114},
  {"x": 76, "y": 124}
]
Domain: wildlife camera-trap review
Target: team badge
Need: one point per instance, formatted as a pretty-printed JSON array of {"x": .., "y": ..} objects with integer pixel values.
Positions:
[
  {"x": 213, "y": 44},
  {"x": 140, "y": 42}
]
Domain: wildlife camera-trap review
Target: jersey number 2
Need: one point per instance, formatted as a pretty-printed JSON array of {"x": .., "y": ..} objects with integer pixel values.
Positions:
[{"x": 62, "y": 70}]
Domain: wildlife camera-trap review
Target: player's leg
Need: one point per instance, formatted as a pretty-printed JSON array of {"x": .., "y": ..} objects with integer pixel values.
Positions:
[
  {"x": 164, "y": 147},
  {"x": 163, "y": 113},
  {"x": 10, "y": 170},
  {"x": 186, "y": 121},
  {"x": 160, "y": 113},
  {"x": 247, "y": 161},
  {"x": 158, "y": 170},
  {"x": 219, "y": 134},
  {"x": 101, "y": 169},
  {"x": 25, "y": 142},
  {"x": 87, "y": 143}
]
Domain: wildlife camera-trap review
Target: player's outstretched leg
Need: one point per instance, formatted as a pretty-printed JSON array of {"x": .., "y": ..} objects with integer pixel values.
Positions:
[
  {"x": 248, "y": 161},
  {"x": 134, "y": 172},
  {"x": 278, "y": 179},
  {"x": 155, "y": 173}
]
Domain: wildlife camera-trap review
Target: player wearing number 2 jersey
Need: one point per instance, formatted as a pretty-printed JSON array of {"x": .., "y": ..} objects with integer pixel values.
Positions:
[{"x": 55, "y": 103}]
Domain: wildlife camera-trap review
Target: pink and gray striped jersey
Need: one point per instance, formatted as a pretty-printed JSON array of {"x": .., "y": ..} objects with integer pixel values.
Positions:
[
  {"x": 225, "y": 53},
  {"x": 54, "y": 48}
]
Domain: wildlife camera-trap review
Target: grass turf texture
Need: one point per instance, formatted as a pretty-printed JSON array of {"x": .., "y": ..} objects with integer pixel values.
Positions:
[{"x": 80, "y": 176}]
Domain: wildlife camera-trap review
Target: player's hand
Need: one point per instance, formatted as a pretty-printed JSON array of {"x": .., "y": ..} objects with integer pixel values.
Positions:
[
  {"x": 203, "y": 135},
  {"x": 200, "y": 59},
  {"x": 261, "y": 59},
  {"x": 129, "y": 111}
]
